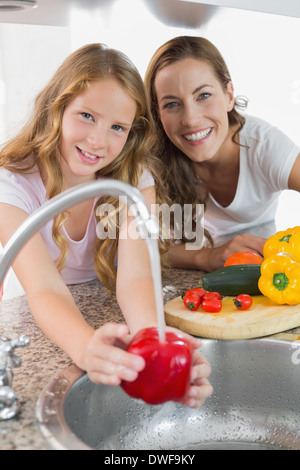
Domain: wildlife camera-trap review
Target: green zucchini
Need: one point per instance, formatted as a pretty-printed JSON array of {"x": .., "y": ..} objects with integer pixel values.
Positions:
[{"x": 233, "y": 280}]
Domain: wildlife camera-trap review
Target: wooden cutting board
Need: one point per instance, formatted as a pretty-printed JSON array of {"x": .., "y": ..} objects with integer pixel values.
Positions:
[{"x": 264, "y": 318}]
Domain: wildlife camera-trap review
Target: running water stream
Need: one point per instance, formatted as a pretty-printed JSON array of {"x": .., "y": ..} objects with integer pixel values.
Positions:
[{"x": 156, "y": 276}]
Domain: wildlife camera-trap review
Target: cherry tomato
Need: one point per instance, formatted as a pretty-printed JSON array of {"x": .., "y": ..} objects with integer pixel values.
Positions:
[
  {"x": 243, "y": 257},
  {"x": 212, "y": 305},
  {"x": 243, "y": 301},
  {"x": 191, "y": 300},
  {"x": 197, "y": 290},
  {"x": 211, "y": 295}
]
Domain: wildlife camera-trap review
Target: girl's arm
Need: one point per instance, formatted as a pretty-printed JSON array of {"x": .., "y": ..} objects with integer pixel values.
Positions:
[
  {"x": 56, "y": 313},
  {"x": 135, "y": 293},
  {"x": 135, "y": 296}
]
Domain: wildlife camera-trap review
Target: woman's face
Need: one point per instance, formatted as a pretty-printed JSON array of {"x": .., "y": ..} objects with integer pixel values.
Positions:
[
  {"x": 95, "y": 128},
  {"x": 193, "y": 107}
]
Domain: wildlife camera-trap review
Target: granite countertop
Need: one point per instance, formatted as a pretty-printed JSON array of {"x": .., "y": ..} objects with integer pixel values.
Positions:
[{"x": 41, "y": 360}]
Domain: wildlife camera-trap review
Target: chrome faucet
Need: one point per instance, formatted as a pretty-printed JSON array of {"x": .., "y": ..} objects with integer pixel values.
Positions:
[
  {"x": 8, "y": 400},
  {"x": 146, "y": 225}
]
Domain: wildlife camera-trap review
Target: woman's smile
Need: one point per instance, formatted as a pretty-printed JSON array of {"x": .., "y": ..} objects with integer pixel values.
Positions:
[
  {"x": 193, "y": 108},
  {"x": 198, "y": 136}
]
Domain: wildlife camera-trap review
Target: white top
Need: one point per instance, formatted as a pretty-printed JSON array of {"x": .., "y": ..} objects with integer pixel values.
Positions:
[
  {"x": 27, "y": 192},
  {"x": 265, "y": 167}
]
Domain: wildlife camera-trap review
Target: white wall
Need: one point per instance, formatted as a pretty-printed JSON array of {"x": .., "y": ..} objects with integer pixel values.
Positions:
[
  {"x": 261, "y": 52},
  {"x": 29, "y": 55},
  {"x": 259, "y": 48}
]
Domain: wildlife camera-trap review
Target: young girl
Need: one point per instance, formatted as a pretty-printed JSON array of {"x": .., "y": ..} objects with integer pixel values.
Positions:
[
  {"x": 236, "y": 165},
  {"x": 91, "y": 121}
]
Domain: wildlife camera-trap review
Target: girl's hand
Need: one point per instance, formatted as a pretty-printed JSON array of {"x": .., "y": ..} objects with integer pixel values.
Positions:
[
  {"x": 105, "y": 359},
  {"x": 200, "y": 388},
  {"x": 107, "y": 362}
]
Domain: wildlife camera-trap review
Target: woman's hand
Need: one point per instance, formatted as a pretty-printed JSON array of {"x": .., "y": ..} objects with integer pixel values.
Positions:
[
  {"x": 216, "y": 257},
  {"x": 210, "y": 259},
  {"x": 106, "y": 360}
]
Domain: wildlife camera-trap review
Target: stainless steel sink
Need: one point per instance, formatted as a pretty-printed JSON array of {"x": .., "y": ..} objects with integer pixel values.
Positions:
[{"x": 255, "y": 405}]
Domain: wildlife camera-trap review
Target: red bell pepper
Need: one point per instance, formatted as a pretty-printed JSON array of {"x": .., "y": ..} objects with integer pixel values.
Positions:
[{"x": 166, "y": 375}]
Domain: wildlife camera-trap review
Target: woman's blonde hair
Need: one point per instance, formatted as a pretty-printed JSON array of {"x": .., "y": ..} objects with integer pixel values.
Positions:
[
  {"x": 182, "y": 184},
  {"x": 36, "y": 144}
]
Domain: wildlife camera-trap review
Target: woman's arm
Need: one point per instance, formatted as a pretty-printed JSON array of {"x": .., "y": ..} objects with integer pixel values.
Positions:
[
  {"x": 294, "y": 178},
  {"x": 210, "y": 259}
]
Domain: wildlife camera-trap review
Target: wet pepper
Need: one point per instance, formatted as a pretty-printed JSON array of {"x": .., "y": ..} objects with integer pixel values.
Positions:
[
  {"x": 287, "y": 241},
  {"x": 166, "y": 375},
  {"x": 280, "y": 279}
]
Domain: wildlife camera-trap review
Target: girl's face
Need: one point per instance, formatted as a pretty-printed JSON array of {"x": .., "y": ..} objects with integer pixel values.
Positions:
[
  {"x": 95, "y": 128},
  {"x": 193, "y": 107}
]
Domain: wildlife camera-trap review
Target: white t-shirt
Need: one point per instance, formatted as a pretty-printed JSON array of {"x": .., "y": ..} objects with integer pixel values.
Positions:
[
  {"x": 265, "y": 166},
  {"x": 27, "y": 192}
]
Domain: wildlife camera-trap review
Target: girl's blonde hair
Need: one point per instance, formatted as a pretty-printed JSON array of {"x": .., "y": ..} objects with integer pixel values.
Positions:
[
  {"x": 36, "y": 144},
  {"x": 182, "y": 184}
]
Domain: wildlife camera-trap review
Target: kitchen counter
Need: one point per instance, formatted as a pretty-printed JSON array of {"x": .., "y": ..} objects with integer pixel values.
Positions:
[{"x": 41, "y": 359}]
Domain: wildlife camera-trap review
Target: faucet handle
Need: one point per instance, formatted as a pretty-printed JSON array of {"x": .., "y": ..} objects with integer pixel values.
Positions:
[
  {"x": 8, "y": 400},
  {"x": 19, "y": 342},
  {"x": 7, "y": 348},
  {"x": 10, "y": 345}
]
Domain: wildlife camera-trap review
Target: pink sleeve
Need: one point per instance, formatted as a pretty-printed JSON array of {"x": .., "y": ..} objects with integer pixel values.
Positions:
[
  {"x": 146, "y": 180},
  {"x": 16, "y": 190}
]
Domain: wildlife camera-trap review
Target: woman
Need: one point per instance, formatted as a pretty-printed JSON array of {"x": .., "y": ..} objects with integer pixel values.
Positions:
[
  {"x": 236, "y": 165},
  {"x": 91, "y": 121}
]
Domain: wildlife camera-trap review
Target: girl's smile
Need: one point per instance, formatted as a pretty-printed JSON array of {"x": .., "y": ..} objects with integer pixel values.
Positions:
[
  {"x": 95, "y": 127},
  {"x": 193, "y": 107},
  {"x": 88, "y": 157}
]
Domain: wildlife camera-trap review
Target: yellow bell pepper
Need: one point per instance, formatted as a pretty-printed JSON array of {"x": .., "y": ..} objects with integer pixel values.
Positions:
[
  {"x": 287, "y": 241},
  {"x": 280, "y": 279}
]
